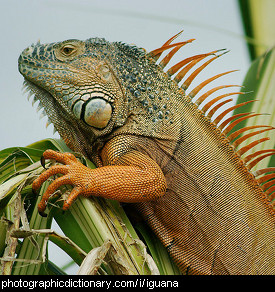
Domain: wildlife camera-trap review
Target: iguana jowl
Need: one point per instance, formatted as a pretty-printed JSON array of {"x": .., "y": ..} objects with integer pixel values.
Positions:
[{"x": 155, "y": 149}]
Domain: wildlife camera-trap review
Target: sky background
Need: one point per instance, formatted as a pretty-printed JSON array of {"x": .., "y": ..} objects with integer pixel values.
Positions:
[{"x": 215, "y": 24}]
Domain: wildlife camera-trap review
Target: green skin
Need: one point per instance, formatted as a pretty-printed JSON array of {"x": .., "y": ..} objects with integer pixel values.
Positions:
[{"x": 213, "y": 218}]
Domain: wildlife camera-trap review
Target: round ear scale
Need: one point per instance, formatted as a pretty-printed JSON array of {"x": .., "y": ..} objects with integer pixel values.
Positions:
[{"x": 97, "y": 113}]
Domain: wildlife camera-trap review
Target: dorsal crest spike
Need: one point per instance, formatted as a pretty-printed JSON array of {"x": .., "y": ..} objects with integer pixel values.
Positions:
[
  {"x": 169, "y": 56},
  {"x": 186, "y": 69},
  {"x": 270, "y": 193},
  {"x": 245, "y": 137},
  {"x": 251, "y": 145},
  {"x": 213, "y": 101},
  {"x": 257, "y": 160},
  {"x": 240, "y": 117},
  {"x": 155, "y": 54},
  {"x": 248, "y": 158},
  {"x": 209, "y": 92},
  {"x": 215, "y": 108},
  {"x": 224, "y": 113},
  {"x": 182, "y": 63},
  {"x": 264, "y": 170},
  {"x": 267, "y": 184},
  {"x": 235, "y": 134},
  {"x": 172, "y": 38},
  {"x": 195, "y": 91},
  {"x": 266, "y": 178},
  {"x": 189, "y": 80},
  {"x": 159, "y": 51},
  {"x": 229, "y": 120}
]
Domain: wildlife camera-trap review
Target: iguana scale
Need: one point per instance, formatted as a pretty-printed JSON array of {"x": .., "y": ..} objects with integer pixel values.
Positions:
[{"x": 155, "y": 148}]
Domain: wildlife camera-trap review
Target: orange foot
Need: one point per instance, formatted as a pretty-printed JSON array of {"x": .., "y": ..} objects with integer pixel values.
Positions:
[
  {"x": 134, "y": 178},
  {"x": 69, "y": 169}
]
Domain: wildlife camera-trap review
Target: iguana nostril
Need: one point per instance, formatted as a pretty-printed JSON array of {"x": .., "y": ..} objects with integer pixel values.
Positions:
[{"x": 28, "y": 51}]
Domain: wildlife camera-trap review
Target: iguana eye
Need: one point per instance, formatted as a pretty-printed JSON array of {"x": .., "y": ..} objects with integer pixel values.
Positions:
[{"x": 68, "y": 50}]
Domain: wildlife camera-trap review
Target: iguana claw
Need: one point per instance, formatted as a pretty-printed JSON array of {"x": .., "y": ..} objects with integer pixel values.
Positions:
[
  {"x": 43, "y": 214},
  {"x": 42, "y": 161},
  {"x": 65, "y": 158}
]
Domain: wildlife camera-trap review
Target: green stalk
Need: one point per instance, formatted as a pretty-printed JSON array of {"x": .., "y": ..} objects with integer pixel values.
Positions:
[{"x": 94, "y": 222}]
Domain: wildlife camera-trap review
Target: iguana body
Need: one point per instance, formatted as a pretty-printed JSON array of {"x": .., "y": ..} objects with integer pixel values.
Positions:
[{"x": 155, "y": 149}]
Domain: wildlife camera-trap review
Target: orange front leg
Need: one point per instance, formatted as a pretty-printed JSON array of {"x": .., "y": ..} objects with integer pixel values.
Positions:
[{"x": 134, "y": 178}]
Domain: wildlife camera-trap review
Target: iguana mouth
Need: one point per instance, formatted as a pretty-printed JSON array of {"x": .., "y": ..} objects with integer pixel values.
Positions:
[{"x": 23, "y": 66}]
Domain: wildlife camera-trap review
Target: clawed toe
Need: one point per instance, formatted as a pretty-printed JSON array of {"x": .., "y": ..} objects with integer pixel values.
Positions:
[
  {"x": 69, "y": 167},
  {"x": 42, "y": 161},
  {"x": 43, "y": 214}
]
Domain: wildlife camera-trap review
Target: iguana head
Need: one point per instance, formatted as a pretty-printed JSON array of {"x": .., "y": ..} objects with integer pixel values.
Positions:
[{"x": 89, "y": 88}]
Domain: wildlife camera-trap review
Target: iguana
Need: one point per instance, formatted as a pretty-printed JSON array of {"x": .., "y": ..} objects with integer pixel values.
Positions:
[{"x": 155, "y": 148}]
